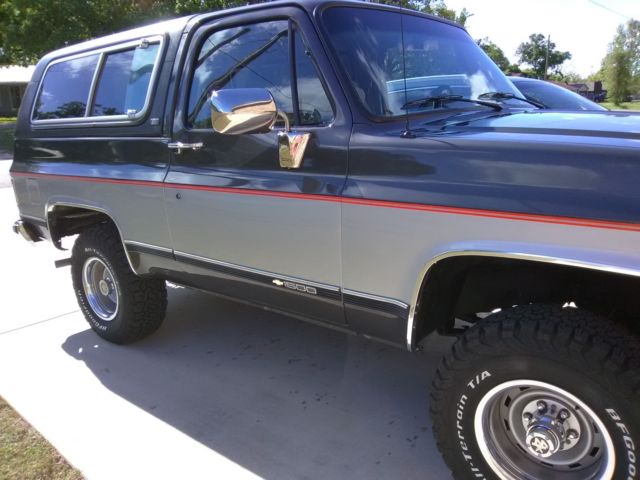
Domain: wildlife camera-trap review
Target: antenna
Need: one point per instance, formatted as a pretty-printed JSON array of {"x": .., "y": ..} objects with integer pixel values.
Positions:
[{"x": 407, "y": 130}]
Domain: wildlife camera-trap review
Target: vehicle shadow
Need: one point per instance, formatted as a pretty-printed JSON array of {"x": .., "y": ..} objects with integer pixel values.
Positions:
[{"x": 282, "y": 398}]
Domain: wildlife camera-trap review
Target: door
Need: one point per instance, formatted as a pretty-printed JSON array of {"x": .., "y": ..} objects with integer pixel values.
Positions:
[{"x": 241, "y": 224}]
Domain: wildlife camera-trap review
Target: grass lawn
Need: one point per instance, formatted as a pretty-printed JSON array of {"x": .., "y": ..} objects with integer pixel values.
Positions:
[
  {"x": 24, "y": 454},
  {"x": 7, "y": 120},
  {"x": 623, "y": 106}
]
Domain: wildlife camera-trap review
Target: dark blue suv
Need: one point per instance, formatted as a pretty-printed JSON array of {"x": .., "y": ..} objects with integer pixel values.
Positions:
[{"x": 371, "y": 169}]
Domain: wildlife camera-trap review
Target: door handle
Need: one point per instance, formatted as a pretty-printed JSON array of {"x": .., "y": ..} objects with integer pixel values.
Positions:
[{"x": 179, "y": 146}]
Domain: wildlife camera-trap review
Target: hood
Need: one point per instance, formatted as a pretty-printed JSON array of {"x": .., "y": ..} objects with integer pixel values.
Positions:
[{"x": 590, "y": 124}]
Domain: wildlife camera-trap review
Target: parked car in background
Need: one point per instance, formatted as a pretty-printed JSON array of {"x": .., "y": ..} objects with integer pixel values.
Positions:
[{"x": 553, "y": 96}]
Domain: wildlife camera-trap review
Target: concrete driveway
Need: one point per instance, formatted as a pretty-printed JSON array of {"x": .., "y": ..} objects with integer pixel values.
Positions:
[{"x": 223, "y": 390}]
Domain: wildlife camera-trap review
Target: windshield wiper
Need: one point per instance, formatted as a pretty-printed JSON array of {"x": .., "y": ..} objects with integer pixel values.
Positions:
[
  {"x": 442, "y": 99},
  {"x": 509, "y": 96}
]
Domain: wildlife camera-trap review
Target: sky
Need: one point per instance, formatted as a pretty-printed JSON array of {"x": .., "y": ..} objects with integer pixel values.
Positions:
[{"x": 583, "y": 27}]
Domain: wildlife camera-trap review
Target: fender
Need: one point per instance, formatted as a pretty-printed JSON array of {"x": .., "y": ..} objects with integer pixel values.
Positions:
[
  {"x": 53, "y": 203},
  {"x": 609, "y": 262}
]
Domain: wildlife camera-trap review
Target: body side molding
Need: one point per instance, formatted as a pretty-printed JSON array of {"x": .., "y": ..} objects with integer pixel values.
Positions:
[{"x": 142, "y": 247}]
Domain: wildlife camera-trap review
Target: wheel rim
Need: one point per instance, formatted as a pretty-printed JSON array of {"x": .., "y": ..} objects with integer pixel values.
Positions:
[
  {"x": 100, "y": 289},
  {"x": 527, "y": 429}
]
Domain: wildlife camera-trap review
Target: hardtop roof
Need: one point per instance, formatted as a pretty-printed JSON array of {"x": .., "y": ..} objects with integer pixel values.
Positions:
[{"x": 185, "y": 23}]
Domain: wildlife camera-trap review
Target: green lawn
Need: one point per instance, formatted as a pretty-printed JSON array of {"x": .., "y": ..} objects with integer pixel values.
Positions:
[
  {"x": 635, "y": 106},
  {"x": 7, "y": 120},
  {"x": 25, "y": 454}
]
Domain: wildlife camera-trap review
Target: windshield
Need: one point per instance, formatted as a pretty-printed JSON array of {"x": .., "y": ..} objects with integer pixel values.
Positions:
[
  {"x": 393, "y": 60},
  {"x": 553, "y": 96}
]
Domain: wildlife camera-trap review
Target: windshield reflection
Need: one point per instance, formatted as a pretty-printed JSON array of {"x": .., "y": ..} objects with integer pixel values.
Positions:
[{"x": 393, "y": 59}]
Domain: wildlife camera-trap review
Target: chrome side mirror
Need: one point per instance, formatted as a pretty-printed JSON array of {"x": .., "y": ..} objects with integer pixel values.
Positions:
[
  {"x": 236, "y": 111},
  {"x": 242, "y": 110},
  {"x": 291, "y": 148}
]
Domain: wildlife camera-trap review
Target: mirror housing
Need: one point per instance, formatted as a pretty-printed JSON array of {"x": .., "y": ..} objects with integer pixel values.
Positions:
[{"x": 236, "y": 111}]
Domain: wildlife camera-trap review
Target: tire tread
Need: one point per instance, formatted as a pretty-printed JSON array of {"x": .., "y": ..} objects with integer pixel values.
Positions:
[
  {"x": 569, "y": 335},
  {"x": 145, "y": 298}
]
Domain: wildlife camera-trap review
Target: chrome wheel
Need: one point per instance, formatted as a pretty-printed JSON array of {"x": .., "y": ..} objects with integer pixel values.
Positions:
[
  {"x": 100, "y": 288},
  {"x": 530, "y": 430}
]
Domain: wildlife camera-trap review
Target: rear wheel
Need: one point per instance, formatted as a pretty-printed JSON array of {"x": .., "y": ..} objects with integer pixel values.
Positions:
[
  {"x": 120, "y": 306},
  {"x": 540, "y": 392}
]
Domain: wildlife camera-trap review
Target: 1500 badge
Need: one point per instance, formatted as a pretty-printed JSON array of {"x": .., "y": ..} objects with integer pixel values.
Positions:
[{"x": 298, "y": 287}]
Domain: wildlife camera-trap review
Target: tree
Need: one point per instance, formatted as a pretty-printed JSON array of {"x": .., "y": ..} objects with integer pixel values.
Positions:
[
  {"x": 571, "y": 77},
  {"x": 432, "y": 7},
  {"x": 495, "y": 53},
  {"x": 534, "y": 53},
  {"x": 30, "y": 28},
  {"x": 621, "y": 65},
  {"x": 617, "y": 70},
  {"x": 628, "y": 37}
]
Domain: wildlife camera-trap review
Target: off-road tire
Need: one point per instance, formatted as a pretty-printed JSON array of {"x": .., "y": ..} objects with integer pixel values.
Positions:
[
  {"x": 142, "y": 302},
  {"x": 589, "y": 356}
]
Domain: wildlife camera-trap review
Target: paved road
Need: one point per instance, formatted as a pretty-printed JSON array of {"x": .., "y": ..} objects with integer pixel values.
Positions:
[{"x": 223, "y": 390}]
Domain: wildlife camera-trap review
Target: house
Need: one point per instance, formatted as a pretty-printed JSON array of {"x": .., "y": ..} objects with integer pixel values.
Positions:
[
  {"x": 591, "y": 90},
  {"x": 13, "y": 82}
]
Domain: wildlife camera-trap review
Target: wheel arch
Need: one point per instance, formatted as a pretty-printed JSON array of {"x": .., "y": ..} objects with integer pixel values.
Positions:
[
  {"x": 68, "y": 217},
  {"x": 436, "y": 280}
]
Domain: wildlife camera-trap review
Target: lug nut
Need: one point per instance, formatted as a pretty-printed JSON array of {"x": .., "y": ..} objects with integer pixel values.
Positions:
[
  {"x": 564, "y": 414},
  {"x": 527, "y": 416},
  {"x": 542, "y": 406},
  {"x": 572, "y": 434}
]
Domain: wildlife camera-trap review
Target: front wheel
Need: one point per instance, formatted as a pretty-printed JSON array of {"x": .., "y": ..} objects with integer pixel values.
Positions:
[
  {"x": 120, "y": 306},
  {"x": 540, "y": 392}
]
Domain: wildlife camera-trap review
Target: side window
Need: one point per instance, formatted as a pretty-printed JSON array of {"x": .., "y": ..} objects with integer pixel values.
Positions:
[
  {"x": 65, "y": 89},
  {"x": 315, "y": 108},
  {"x": 124, "y": 81},
  {"x": 121, "y": 87},
  {"x": 242, "y": 57},
  {"x": 256, "y": 56}
]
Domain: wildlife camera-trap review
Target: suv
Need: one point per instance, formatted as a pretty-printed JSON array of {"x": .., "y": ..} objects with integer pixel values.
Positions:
[{"x": 369, "y": 168}]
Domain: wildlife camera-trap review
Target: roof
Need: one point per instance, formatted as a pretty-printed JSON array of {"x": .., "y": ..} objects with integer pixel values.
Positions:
[
  {"x": 178, "y": 24},
  {"x": 16, "y": 74},
  {"x": 580, "y": 86},
  {"x": 158, "y": 28}
]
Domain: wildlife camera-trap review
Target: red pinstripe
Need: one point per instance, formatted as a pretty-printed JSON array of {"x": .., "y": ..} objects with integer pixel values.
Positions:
[{"x": 526, "y": 217}]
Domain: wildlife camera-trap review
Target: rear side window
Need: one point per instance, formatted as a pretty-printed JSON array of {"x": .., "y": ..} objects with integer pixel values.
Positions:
[
  {"x": 65, "y": 89},
  {"x": 106, "y": 85},
  {"x": 124, "y": 81}
]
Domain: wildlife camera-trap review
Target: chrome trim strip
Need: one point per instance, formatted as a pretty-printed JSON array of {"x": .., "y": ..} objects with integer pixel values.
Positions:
[
  {"x": 149, "y": 246},
  {"x": 375, "y": 297},
  {"x": 67, "y": 138},
  {"x": 498, "y": 254},
  {"x": 94, "y": 85},
  {"x": 258, "y": 272}
]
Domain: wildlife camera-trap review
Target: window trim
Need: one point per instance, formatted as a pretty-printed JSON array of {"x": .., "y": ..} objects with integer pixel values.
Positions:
[
  {"x": 206, "y": 30},
  {"x": 97, "y": 74}
]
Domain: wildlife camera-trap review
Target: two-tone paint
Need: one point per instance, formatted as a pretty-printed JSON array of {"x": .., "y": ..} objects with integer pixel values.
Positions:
[{"x": 349, "y": 238}]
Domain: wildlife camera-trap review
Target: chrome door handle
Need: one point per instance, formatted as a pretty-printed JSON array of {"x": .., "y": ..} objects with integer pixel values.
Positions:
[{"x": 179, "y": 146}]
